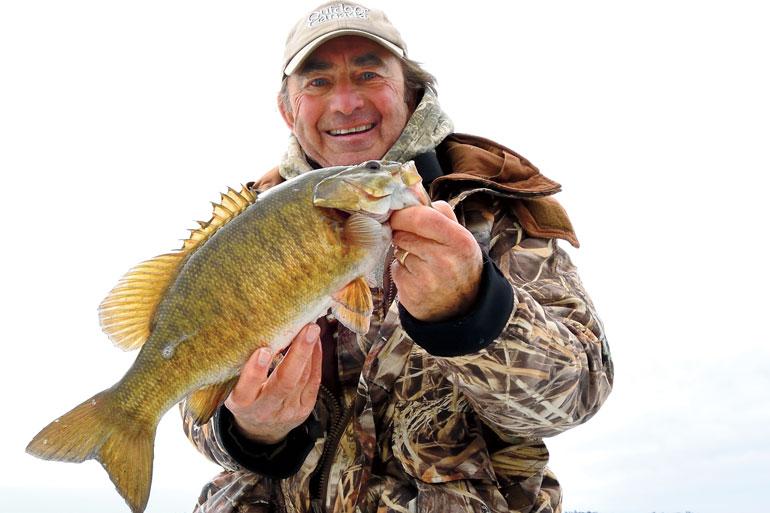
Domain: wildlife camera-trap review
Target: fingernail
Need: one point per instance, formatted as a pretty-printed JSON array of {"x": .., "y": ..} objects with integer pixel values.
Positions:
[
  {"x": 312, "y": 333},
  {"x": 264, "y": 356}
]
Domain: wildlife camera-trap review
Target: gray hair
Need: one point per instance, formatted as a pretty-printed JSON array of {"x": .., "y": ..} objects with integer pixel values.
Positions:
[{"x": 416, "y": 79}]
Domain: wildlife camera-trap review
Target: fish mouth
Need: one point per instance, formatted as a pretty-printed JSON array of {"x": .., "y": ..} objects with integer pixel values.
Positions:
[
  {"x": 364, "y": 193},
  {"x": 336, "y": 132},
  {"x": 342, "y": 214}
]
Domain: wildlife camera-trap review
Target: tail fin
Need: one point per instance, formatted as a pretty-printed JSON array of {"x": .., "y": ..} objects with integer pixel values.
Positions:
[{"x": 93, "y": 430}]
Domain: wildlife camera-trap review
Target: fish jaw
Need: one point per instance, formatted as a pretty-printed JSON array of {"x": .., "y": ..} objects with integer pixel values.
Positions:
[{"x": 374, "y": 188}]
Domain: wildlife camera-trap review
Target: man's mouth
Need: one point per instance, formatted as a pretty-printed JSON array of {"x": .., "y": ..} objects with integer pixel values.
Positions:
[{"x": 354, "y": 130}]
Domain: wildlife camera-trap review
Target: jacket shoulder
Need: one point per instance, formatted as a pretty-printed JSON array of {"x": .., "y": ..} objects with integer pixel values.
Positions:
[{"x": 477, "y": 165}]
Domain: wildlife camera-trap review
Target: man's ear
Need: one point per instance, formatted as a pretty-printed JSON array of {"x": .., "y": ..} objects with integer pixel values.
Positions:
[{"x": 286, "y": 113}]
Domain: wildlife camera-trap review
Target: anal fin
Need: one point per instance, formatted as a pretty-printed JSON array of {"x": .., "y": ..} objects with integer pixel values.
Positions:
[
  {"x": 204, "y": 402},
  {"x": 353, "y": 305}
]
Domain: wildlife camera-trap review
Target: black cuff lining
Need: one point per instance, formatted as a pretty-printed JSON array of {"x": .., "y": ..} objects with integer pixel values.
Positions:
[
  {"x": 477, "y": 329},
  {"x": 276, "y": 461}
]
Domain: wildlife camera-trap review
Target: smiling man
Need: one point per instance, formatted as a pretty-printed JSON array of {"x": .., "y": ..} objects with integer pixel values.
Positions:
[
  {"x": 482, "y": 341},
  {"x": 347, "y": 102}
]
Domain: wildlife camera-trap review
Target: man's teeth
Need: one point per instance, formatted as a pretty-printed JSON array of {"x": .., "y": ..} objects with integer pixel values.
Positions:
[{"x": 343, "y": 131}]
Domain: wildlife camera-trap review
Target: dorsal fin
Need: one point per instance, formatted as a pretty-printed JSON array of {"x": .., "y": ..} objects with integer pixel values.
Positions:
[
  {"x": 233, "y": 203},
  {"x": 126, "y": 314}
]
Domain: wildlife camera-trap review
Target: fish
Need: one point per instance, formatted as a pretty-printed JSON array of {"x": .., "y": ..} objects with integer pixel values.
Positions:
[{"x": 265, "y": 265}]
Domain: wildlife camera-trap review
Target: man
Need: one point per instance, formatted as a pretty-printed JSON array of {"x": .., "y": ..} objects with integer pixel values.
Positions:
[{"x": 482, "y": 340}]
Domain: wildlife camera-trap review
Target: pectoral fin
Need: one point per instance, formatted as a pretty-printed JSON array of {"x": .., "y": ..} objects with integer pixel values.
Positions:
[
  {"x": 353, "y": 306},
  {"x": 204, "y": 402},
  {"x": 361, "y": 230}
]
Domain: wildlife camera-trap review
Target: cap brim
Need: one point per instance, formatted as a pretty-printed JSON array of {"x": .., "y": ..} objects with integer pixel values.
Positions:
[{"x": 300, "y": 56}]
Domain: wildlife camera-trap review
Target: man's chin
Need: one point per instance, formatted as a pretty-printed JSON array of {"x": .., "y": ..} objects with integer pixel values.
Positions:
[
  {"x": 352, "y": 158},
  {"x": 352, "y": 150}
]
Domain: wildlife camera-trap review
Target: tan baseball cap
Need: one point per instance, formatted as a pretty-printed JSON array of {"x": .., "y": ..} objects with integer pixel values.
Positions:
[{"x": 334, "y": 19}]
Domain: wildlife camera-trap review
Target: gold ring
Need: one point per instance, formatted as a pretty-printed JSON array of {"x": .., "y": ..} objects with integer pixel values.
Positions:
[{"x": 401, "y": 255}]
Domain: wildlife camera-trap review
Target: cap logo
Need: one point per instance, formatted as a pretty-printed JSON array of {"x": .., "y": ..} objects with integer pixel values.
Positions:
[{"x": 336, "y": 12}]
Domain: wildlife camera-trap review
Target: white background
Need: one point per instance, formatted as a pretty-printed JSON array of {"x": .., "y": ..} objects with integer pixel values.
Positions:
[{"x": 119, "y": 121}]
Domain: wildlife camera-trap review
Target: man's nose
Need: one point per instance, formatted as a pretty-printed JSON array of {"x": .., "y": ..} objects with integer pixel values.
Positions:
[{"x": 346, "y": 99}]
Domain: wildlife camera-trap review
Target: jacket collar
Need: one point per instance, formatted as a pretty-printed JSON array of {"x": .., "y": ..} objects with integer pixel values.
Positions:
[
  {"x": 476, "y": 165},
  {"x": 484, "y": 162}
]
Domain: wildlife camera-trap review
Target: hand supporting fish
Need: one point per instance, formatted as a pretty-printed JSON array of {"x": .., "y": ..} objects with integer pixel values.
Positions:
[
  {"x": 439, "y": 280},
  {"x": 266, "y": 408},
  {"x": 441, "y": 283},
  {"x": 251, "y": 277}
]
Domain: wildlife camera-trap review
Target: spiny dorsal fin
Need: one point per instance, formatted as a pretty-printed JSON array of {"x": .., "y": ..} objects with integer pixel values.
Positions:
[
  {"x": 233, "y": 203},
  {"x": 126, "y": 314}
]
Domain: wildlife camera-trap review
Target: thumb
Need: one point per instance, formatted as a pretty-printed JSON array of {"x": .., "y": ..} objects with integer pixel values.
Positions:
[
  {"x": 444, "y": 208},
  {"x": 254, "y": 373}
]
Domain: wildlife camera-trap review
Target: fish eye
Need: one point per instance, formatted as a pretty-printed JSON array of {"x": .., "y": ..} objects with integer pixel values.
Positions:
[{"x": 373, "y": 165}]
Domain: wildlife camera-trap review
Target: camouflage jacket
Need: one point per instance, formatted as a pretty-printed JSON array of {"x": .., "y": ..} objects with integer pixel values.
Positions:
[{"x": 417, "y": 432}]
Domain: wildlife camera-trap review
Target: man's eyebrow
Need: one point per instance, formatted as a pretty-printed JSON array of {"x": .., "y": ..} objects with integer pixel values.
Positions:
[
  {"x": 368, "y": 59},
  {"x": 312, "y": 65}
]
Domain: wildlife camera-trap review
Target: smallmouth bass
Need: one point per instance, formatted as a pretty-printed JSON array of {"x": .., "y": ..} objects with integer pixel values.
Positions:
[{"x": 264, "y": 266}]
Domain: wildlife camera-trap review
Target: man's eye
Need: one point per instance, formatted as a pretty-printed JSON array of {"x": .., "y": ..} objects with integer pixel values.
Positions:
[
  {"x": 318, "y": 82},
  {"x": 368, "y": 75}
]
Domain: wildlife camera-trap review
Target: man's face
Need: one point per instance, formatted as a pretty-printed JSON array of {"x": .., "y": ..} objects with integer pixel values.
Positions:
[{"x": 347, "y": 102}]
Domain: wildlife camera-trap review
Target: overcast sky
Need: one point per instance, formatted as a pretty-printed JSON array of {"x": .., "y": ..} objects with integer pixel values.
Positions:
[{"x": 119, "y": 121}]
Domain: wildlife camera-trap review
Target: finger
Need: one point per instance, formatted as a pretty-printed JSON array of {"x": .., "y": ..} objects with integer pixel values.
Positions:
[
  {"x": 403, "y": 278},
  {"x": 400, "y": 254},
  {"x": 445, "y": 209},
  {"x": 310, "y": 391},
  {"x": 252, "y": 377},
  {"x": 416, "y": 245},
  {"x": 425, "y": 222},
  {"x": 289, "y": 372}
]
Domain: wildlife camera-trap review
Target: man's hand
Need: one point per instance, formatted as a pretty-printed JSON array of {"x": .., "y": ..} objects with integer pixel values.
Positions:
[
  {"x": 439, "y": 277},
  {"x": 266, "y": 407}
]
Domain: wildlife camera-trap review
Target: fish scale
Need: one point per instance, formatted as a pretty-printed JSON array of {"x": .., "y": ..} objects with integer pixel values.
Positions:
[{"x": 251, "y": 277}]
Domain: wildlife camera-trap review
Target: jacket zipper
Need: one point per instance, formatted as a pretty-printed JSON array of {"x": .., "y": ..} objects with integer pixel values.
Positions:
[
  {"x": 387, "y": 282},
  {"x": 343, "y": 415},
  {"x": 340, "y": 418}
]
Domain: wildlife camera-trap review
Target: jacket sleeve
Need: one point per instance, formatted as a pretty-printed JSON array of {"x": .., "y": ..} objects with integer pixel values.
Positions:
[
  {"x": 220, "y": 442},
  {"x": 205, "y": 439},
  {"x": 549, "y": 368}
]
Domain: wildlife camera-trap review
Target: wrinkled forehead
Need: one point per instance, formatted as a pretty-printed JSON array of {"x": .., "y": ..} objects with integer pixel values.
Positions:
[{"x": 350, "y": 50}]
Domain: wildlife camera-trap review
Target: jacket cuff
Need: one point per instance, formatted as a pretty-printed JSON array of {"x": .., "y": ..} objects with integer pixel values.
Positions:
[
  {"x": 276, "y": 461},
  {"x": 472, "y": 332}
]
